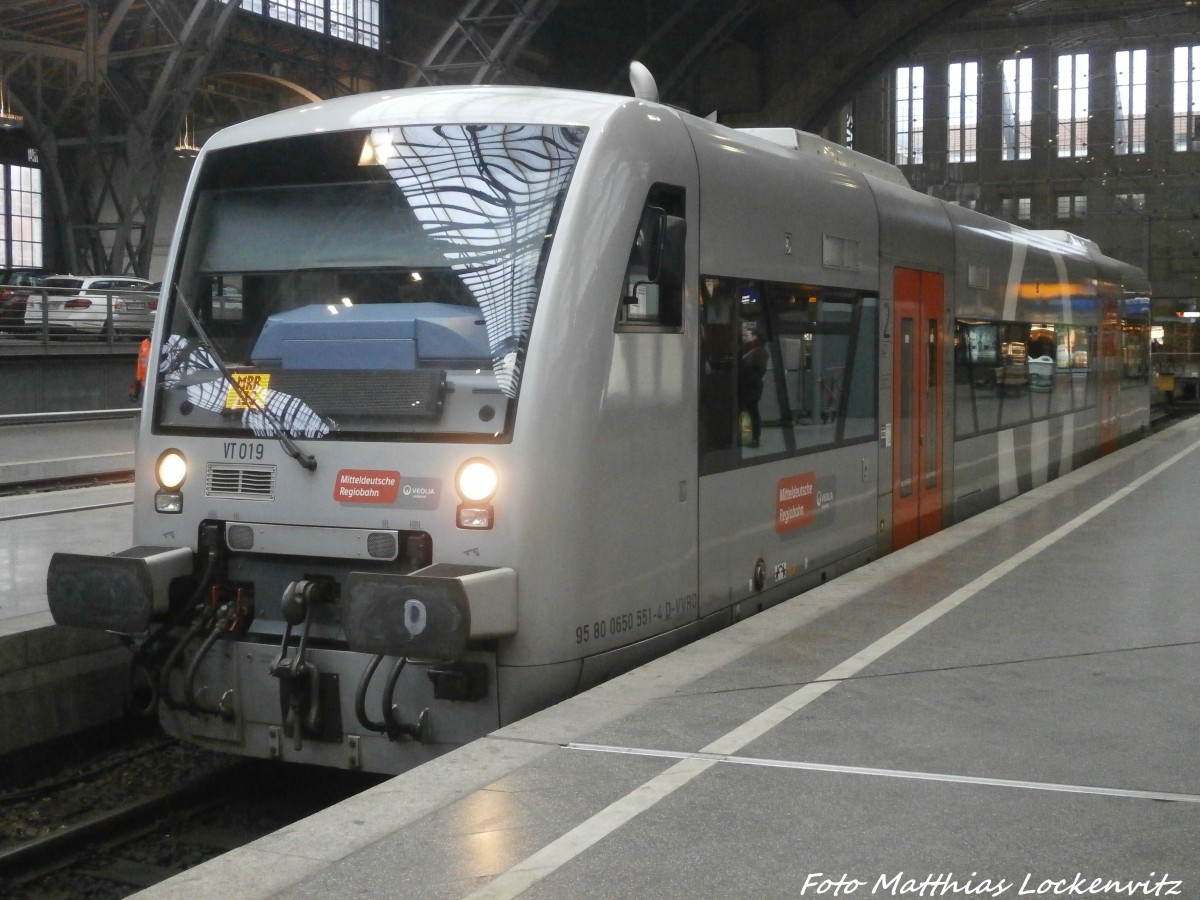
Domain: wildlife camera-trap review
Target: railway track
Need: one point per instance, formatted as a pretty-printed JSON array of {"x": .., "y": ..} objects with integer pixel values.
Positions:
[
  {"x": 62, "y": 484},
  {"x": 109, "y": 829}
]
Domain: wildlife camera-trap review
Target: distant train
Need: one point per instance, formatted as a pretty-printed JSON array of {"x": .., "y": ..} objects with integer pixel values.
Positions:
[{"x": 463, "y": 400}]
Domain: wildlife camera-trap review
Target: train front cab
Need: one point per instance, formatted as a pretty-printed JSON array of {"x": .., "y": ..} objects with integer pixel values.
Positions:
[{"x": 335, "y": 563}]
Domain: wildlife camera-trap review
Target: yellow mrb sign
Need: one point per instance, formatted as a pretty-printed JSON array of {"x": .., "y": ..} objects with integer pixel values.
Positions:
[{"x": 249, "y": 390}]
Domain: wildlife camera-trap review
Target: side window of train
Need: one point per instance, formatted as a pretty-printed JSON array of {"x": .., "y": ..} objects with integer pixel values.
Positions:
[
  {"x": 1009, "y": 373},
  {"x": 652, "y": 290},
  {"x": 786, "y": 368}
]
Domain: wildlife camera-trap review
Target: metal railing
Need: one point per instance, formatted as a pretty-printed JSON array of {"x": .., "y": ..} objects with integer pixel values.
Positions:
[{"x": 51, "y": 316}]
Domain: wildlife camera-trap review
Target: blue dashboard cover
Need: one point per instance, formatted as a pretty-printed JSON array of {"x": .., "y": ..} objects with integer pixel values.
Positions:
[{"x": 373, "y": 336}]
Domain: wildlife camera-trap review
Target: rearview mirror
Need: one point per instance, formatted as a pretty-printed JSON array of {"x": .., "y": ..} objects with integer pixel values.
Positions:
[{"x": 658, "y": 249}]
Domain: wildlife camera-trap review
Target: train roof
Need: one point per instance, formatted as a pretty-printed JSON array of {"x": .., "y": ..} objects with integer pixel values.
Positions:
[
  {"x": 559, "y": 106},
  {"x": 812, "y": 145},
  {"x": 518, "y": 104},
  {"x": 476, "y": 103}
]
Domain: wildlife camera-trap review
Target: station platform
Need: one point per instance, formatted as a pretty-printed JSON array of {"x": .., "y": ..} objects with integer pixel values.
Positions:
[
  {"x": 1008, "y": 708},
  {"x": 46, "y": 446},
  {"x": 56, "y": 682}
]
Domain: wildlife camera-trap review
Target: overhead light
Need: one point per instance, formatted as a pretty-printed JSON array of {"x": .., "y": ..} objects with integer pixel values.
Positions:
[
  {"x": 9, "y": 120},
  {"x": 186, "y": 147},
  {"x": 377, "y": 149}
]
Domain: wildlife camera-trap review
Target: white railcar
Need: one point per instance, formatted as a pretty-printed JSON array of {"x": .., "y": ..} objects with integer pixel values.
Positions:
[{"x": 523, "y": 387}]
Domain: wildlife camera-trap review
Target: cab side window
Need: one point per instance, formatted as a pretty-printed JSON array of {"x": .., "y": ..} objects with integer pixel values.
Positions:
[{"x": 652, "y": 289}]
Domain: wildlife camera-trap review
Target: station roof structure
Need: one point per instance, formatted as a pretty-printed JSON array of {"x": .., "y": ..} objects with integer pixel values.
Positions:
[{"x": 106, "y": 89}]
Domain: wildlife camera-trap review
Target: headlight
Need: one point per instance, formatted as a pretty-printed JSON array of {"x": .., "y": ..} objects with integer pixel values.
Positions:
[
  {"x": 171, "y": 470},
  {"x": 477, "y": 480}
]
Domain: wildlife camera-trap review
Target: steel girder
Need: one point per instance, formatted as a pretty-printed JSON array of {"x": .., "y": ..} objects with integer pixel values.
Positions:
[
  {"x": 865, "y": 44},
  {"x": 104, "y": 99},
  {"x": 105, "y": 84},
  {"x": 481, "y": 42}
]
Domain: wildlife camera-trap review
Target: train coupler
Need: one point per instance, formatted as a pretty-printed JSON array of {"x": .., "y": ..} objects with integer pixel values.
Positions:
[
  {"x": 310, "y": 707},
  {"x": 304, "y": 692}
]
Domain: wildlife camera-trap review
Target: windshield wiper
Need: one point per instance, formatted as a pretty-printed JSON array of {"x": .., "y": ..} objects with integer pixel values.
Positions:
[{"x": 307, "y": 460}]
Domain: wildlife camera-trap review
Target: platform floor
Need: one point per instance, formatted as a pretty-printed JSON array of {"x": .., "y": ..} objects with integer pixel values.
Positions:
[
  {"x": 33, "y": 451},
  {"x": 1009, "y": 708},
  {"x": 56, "y": 682},
  {"x": 33, "y": 526}
]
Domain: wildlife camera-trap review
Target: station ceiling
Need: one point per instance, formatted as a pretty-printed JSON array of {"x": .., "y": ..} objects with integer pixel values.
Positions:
[
  {"x": 107, "y": 86},
  {"x": 832, "y": 46}
]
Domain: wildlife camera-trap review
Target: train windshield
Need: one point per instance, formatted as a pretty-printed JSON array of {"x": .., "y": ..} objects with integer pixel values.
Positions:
[{"x": 370, "y": 284}]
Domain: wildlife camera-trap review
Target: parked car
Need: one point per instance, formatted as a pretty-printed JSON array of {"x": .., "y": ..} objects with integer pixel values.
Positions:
[
  {"x": 133, "y": 313},
  {"x": 78, "y": 304},
  {"x": 14, "y": 292},
  {"x": 226, "y": 303}
]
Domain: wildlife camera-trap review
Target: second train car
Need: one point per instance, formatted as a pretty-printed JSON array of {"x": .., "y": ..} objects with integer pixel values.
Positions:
[{"x": 463, "y": 400}]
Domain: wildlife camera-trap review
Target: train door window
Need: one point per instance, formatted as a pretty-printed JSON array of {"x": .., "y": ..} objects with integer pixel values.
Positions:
[
  {"x": 906, "y": 423},
  {"x": 932, "y": 464},
  {"x": 652, "y": 289}
]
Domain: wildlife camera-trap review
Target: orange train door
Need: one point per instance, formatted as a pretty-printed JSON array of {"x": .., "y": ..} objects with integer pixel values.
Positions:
[{"x": 917, "y": 387}]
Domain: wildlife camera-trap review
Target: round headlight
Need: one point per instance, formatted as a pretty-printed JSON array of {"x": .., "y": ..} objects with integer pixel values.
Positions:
[
  {"x": 477, "y": 480},
  {"x": 171, "y": 470}
]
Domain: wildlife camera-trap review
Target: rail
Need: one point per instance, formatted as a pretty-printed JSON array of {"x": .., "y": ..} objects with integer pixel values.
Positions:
[
  {"x": 58, "y": 418},
  {"x": 148, "y": 813},
  {"x": 72, "y": 857}
]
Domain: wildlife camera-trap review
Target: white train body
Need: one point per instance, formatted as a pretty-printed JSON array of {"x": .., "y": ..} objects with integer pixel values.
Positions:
[{"x": 710, "y": 368}]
